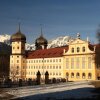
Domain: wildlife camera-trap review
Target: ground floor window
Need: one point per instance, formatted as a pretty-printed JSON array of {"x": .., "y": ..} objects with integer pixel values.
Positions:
[
  {"x": 72, "y": 75},
  {"x": 89, "y": 75},
  {"x": 77, "y": 75},
  {"x": 83, "y": 75}
]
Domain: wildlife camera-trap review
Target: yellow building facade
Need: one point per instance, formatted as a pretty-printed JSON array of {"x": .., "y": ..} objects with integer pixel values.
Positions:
[{"x": 74, "y": 62}]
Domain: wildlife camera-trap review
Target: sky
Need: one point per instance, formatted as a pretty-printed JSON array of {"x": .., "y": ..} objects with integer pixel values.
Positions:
[{"x": 58, "y": 18}]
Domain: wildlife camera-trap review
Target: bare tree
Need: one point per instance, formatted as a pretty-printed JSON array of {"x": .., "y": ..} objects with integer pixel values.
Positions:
[
  {"x": 14, "y": 73},
  {"x": 97, "y": 49}
]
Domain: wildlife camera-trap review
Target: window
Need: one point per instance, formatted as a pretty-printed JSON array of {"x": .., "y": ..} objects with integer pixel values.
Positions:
[
  {"x": 83, "y": 49},
  {"x": 89, "y": 75},
  {"x": 78, "y": 49},
  {"x": 83, "y": 75},
  {"x": 77, "y": 62},
  {"x": 67, "y": 63},
  {"x": 13, "y": 47},
  {"x": 59, "y": 67},
  {"x": 17, "y": 56},
  {"x": 17, "y": 47},
  {"x": 72, "y": 75},
  {"x": 72, "y": 63},
  {"x": 53, "y": 67},
  {"x": 83, "y": 62},
  {"x": 17, "y": 61},
  {"x": 77, "y": 75},
  {"x": 59, "y": 60},
  {"x": 17, "y": 67},
  {"x": 72, "y": 50},
  {"x": 59, "y": 73},
  {"x": 56, "y": 73},
  {"x": 50, "y": 60},
  {"x": 50, "y": 67},
  {"x": 89, "y": 62}
]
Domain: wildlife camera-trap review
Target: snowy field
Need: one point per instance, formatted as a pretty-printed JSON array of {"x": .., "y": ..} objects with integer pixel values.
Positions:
[{"x": 54, "y": 92}]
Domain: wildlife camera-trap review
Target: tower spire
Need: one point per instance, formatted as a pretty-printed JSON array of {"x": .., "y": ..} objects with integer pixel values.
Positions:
[
  {"x": 19, "y": 27},
  {"x": 41, "y": 30}
]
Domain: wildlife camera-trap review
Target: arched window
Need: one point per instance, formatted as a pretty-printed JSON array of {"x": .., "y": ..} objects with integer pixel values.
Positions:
[
  {"x": 72, "y": 50},
  {"x": 83, "y": 75},
  {"x": 78, "y": 49},
  {"x": 89, "y": 75},
  {"x": 67, "y": 74},
  {"x": 72, "y": 75},
  {"x": 77, "y": 75},
  {"x": 83, "y": 49}
]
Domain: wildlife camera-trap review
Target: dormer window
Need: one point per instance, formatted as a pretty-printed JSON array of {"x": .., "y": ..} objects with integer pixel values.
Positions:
[
  {"x": 83, "y": 49},
  {"x": 78, "y": 49},
  {"x": 72, "y": 50}
]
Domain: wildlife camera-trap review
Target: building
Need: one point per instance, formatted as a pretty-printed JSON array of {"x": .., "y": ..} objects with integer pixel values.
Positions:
[{"x": 73, "y": 62}]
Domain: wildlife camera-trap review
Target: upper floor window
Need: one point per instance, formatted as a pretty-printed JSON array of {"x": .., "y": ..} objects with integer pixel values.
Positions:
[
  {"x": 83, "y": 49},
  {"x": 17, "y": 61},
  {"x": 78, "y": 49},
  {"x": 72, "y": 50}
]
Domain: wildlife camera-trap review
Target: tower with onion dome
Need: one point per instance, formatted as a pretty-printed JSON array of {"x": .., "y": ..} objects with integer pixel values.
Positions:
[
  {"x": 17, "y": 58},
  {"x": 41, "y": 42}
]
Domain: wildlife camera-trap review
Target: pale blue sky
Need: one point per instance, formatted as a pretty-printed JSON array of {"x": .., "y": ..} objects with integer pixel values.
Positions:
[{"x": 58, "y": 17}]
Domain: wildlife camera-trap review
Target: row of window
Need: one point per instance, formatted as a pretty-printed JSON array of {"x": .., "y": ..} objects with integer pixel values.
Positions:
[
  {"x": 77, "y": 49},
  {"x": 18, "y": 47},
  {"x": 39, "y": 61},
  {"x": 50, "y": 73},
  {"x": 41, "y": 67},
  {"x": 43, "y": 60},
  {"x": 78, "y": 75},
  {"x": 77, "y": 62}
]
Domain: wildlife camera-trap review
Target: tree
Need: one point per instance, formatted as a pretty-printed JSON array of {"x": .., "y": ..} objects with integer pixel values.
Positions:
[{"x": 97, "y": 49}]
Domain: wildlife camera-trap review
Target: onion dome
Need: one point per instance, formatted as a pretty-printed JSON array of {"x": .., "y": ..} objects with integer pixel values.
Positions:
[
  {"x": 41, "y": 40},
  {"x": 18, "y": 36}
]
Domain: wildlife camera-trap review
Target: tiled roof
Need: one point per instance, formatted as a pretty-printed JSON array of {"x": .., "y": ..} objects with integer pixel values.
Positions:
[{"x": 47, "y": 53}]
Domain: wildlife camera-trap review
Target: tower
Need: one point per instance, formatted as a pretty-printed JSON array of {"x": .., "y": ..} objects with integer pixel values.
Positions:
[
  {"x": 41, "y": 42},
  {"x": 17, "y": 58}
]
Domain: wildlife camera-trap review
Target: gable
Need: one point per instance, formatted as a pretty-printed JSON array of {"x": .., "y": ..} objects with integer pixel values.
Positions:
[{"x": 78, "y": 41}]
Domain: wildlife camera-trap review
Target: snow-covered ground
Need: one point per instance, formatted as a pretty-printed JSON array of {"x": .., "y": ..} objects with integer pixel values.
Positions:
[{"x": 52, "y": 92}]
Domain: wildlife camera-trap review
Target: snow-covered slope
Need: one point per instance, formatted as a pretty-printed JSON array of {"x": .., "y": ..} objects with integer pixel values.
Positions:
[
  {"x": 5, "y": 38},
  {"x": 57, "y": 42},
  {"x": 60, "y": 41}
]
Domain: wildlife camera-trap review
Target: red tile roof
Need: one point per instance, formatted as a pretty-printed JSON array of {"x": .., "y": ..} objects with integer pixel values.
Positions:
[{"x": 47, "y": 53}]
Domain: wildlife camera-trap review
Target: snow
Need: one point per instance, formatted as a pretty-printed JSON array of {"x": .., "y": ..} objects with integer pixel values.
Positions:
[
  {"x": 57, "y": 42},
  {"x": 58, "y": 91}
]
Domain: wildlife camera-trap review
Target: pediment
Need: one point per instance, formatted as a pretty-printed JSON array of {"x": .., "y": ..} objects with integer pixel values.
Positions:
[{"x": 78, "y": 41}]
